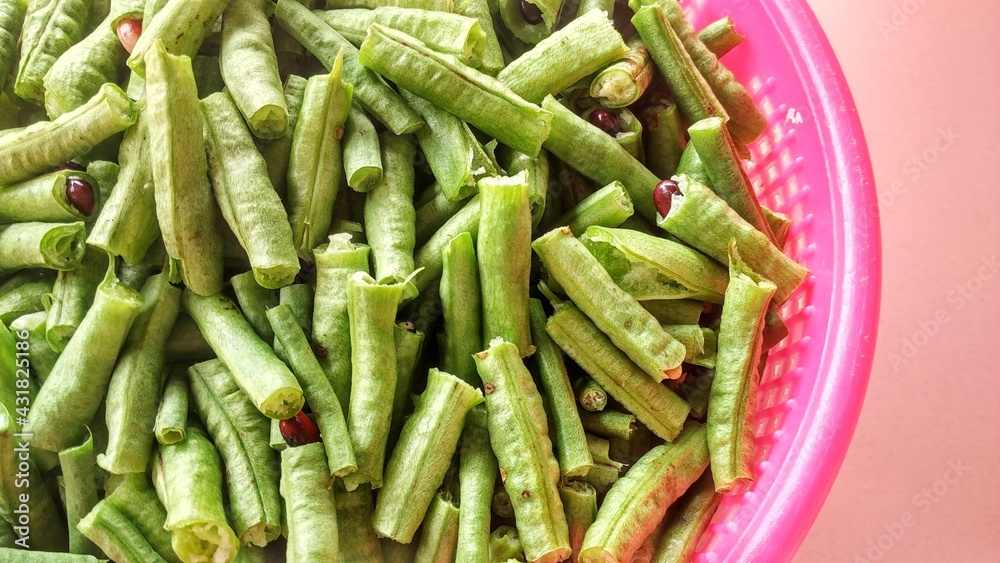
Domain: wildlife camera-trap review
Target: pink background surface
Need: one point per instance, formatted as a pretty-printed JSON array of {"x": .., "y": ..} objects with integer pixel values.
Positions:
[{"x": 921, "y": 481}]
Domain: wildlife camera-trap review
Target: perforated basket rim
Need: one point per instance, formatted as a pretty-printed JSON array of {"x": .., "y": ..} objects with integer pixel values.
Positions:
[{"x": 773, "y": 527}]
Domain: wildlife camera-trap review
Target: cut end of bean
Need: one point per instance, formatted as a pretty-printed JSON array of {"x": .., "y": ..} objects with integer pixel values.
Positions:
[
  {"x": 663, "y": 196},
  {"x": 605, "y": 121},
  {"x": 299, "y": 430},
  {"x": 531, "y": 13},
  {"x": 80, "y": 195},
  {"x": 129, "y": 30}
]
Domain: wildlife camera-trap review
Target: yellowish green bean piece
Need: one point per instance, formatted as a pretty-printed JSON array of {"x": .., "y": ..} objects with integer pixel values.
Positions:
[
  {"x": 50, "y": 28},
  {"x": 80, "y": 485},
  {"x": 170, "y": 426},
  {"x": 780, "y": 225},
  {"x": 609, "y": 423},
  {"x": 81, "y": 71},
  {"x": 316, "y": 160},
  {"x": 250, "y": 67},
  {"x": 357, "y": 541},
  {"x": 612, "y": 309},
  {"x": 687, "y": 522},
  {"x": 180, "y": 26},
  {"x": 505, "y": 545},
  {"x": 513, "y": 18},
  {"x": 490, "y": 59},
  {"x": 71, "y": 297},
  {"x": 733, "y": 400},
  {"x": 254, "y": 302},
  {"x": 536, "y": 170},
  {"x": 310, "y": 506},
  {"x": 422, "y": 456},
  {"x": 428, "y": 259},
  {"x": 591, "y": 396},
  {"x": 40, "y": 147},
  {"x": 439, "y": 536},
  {"x": 389, "y": 212},
  {"x": 263, "y": 377},
  {"x": 702, "y": 219},
  {"x": 557, "y": 392},
  {"x": 519, "y": 435},
  {"x": 675, "y": 311},
  {"x": 409, "y": 346},
  {"x": 580, "y": 503},
  {"x": 637, "y": 502},
  {"x": 185, "y": 208},
  {"x": 134, "y": 391},
  {"x": 622, "y": 83},
  {"x": 362, "y": 154},
  {"x": 665, "y": 139},
  {"x": 40, "y": 354},
  {"x": 447, "y": 149},
  {"x": 720, "y": 36},
  {"x": 609, "y": 206},
  {"x": 586, "y": 45},
  {"x": 25, "y": 293},
  {"x": 477, "y": 98},
  {"x": 653, "y": 404},
  {"x": 12, "y": 16}
]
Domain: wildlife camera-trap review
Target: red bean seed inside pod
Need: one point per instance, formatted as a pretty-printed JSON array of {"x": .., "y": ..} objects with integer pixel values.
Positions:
[
  {"x": 662, "y": 196},
  {"x": 80, "y": 195},
  {"x": 70, "y": 165},
  {"x": 530, "y": 13},
  {"x": 129, "y": 30},
  {"x": 299, "y": 430},
  {"x": 605, "y": 121}
]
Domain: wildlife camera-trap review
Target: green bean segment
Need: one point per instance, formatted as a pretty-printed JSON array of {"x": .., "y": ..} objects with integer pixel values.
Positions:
[
  {"x": 44, "y": 199},
  {"x": 475, "y": 97},
  {"x": 519, "y": 435},
  {"x": 45, "y": 145},
  {"x": 170, "y": 425},
  {"x": 702, "y": 219},
  {"x": 490, "y": 58},
  {"x": 357, "y": 542},
  {"x": 448, "y": 150},
  {"x": 310, "y": 506},
  {"x": 622, "y": 83},
  {"x": 422, "y": 455},
  {"x": 240, "y": 433},
  {"x": 476, "y": 475},
  {"x": 510, "y": 13},
  {"x": 733, "y": 400},
  {"x": 71, "y": 298},
  {"x": 428, "y": 259},
  {"x": 50, "y": 28},
  {"x": 615, "y": 312},
  {"x": 80, "y": 485},
  {"x": 665, "y": 139},
  {"x": 25, "y": 293},
  {"x": 720, "y": 36},
  {"x": 58, "y": 246},
  {"x": 580, "y": 503},
  {"x": 180, "y": 26},
  {"x": 260, "y": 374},
  {"x": 362, "y": 154},
  {"x": 12, "y": 16},
  {"x": 637, "y": 502},
  {"x": 461, "y": 302},
  {"x": 389, "y": 213},
  {"x": 687, "y": 522},
  {"x": 653, "y": 404},
  {"x": 586, "y": 45},
  {"x": 81, "y": 71}
]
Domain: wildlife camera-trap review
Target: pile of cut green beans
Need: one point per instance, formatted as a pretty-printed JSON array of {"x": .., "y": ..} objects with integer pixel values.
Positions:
[{"x": 376, "y": 280}]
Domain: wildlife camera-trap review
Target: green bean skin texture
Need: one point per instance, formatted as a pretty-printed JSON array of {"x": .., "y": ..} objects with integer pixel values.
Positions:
[
  {"x": 609, "y": 207},
  {"x": 362, "y": 153},
  {"x": 45, "y": 145},
  {"x": 746, "y": 121},
  {"x": 250, "y": 67},
  {"x": 446, "y": 148},
  {"x": 536, "y": 170},
  {"x": 117, "y": 536},
  {"x": 653, "y": 404},
  {"x": 357, "y": 542},
  {"x": 422, "y": 455},
  {"x": 597, "y": 155},
  {"x": 780, "y": 225},
  {"x": 42, "y": 357},
  {"x": 170, "y": 426},
  {"x": 439, "y": 538},
  {"x": 725, "y": 170},
  {"x": 665, "y": 139},
  {"x": 180, "y": 26},
  {"x": 476, "y": 475},
  {"x": 254, "y": 302},
  {"x": 490, "y": 58},
  {"x": 428, "y": 259},
  {"x": 50, "y": 28},
  {"x": 650, "y": 268},
  {"x": 372, "y": 311},
  {"x": 580, "y": 503},
  {"x": 586, "y": 45},
  {"x": 317, "y": 389},
  {"x": 58, "y": 246},
  {"x": 461, "y": 302},
  {"x": 12, "y": 16},
  {"x": 331, "y": 330},
  {"x": 80, "y": 484},
  {"x": 519, "y": 435},
  {"x": 510, "y": 13},
  {"x": 389, "y": 213},
  {"x": 503, "y": 249},
  {"x": 703, "y": 220},
  {"x": 127, "y": 224},
  {"x": 637, "y": 502},
  {"x": 134, "y": 500},
  {"x": 134, "y": 390},
  {"x": 409, "y": 344},
  {"x": 622, "y": 83},
  {"x": 188, "y": 480},
  {"x": 277, "y": 151},
  {"x": 689, "y": 521},
  {"x": 692, "y": 165},
  {"x": 381, "y": 101},
  {"x": 609, "y": 424},
  {"x": 25, "y": 293},
  {"x": 268, "y": 382},
  {"x": 315, "y": 161},
  {"x": 477, "y": 98},
  {"x": 249, "y": 204},
  {"x": 42, "y": 506},
  {"x": 71, "y": 297},
  {"x": 614, "y": 311},
  {"x": 570, "y": 441},
  {"x": 43, "y": 199},
  {"x": 78, "y": 382},
  {"x": 241, "y": 435},
  {"x": 720, "y": 36},
  {"x": 80, "y": 72},
  {"x": 310, "y": 506},
  {"x": 733, "y": 400},
  {"x": 185, "y": 208}
]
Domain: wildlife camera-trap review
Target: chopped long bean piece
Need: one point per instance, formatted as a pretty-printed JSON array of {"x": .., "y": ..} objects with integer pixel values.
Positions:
[
  {"x": 476, "y": 475},
  {"x": 665, "y": 139},
  {"x": 720, "y": 36},
  {"x": 490, "y": 58},
  {"x": 310, "y": 506},
  {"x": 438, "y": 540},
  {"x": 622, "y": 83},
  {"x": 428, "y": 259},
  {"x": 71, "y": 297},
  {"x": 45, "y": 198},
  {"x": 591, "y": 396},
  {"x": 50, "y": 28},
  {"x": 357, "y": 541},
  {"x": 461, "y": 302},
  {"x": 362, "y": 154},
  {"x": 171, "y": 418},
  {"x": 409, "y": 346},
  {"x": 389, "y": 213},
  {"x": 609, "y": 423},
  {"x": 688, "y": 521},
  {"x": 609, "y": 206},
  {"x": 80, "y": 484},
  {"x": 580, "y": 503}
]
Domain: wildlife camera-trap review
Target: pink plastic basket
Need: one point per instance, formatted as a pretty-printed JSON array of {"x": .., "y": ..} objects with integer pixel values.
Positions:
[{"x": 813, "y": 165}]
